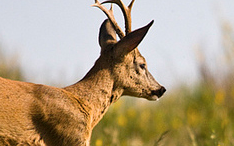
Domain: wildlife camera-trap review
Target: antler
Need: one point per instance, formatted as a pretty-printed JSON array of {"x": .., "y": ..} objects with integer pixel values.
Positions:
[
  {"x": 110, "y": 15},
  {"x": 126, "y": 10}
]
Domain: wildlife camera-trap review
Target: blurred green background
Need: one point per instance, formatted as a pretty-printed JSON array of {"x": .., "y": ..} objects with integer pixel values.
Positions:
[{"x": 200, "y": 114}]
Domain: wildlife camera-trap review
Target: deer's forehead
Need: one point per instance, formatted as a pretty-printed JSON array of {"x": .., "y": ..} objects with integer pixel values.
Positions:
[{"x": 138, "y": 57}]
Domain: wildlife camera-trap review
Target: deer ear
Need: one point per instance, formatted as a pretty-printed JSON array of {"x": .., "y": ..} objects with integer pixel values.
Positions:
[
  {"x": 131, "y": 41},
  {"x": 107, "y": 35}
]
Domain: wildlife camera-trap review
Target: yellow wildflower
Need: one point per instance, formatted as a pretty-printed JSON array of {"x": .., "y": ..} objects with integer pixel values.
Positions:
[
  {"x": 219, "y": 97},
  {"x": 98, "y": 142},
  {"x": 122, "y": 121}
]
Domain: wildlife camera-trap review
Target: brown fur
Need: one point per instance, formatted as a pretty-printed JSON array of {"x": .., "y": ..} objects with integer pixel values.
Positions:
[{"x": 33, "y": 114}]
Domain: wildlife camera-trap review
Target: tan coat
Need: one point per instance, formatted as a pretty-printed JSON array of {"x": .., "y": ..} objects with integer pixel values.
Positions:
[{"x": 34, "y": 114}]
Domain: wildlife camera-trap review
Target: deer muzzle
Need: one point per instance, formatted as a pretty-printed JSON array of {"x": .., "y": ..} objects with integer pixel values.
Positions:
[{"x": 156, "y": 94}]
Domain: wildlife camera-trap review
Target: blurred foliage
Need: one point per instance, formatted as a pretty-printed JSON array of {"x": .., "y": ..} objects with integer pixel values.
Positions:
[
  {"x": 9, "y": 67},
  {"x": 198, "y": 115}
]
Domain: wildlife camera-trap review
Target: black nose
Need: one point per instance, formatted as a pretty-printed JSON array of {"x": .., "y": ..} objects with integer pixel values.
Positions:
[{"x": 159, "y": 92}]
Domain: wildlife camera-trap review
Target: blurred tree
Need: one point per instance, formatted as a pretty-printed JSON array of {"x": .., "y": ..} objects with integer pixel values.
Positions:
[{"x": 9, "y": 67}]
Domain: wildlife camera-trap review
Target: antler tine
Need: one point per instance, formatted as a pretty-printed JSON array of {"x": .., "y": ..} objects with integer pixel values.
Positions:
[
  {"x": 126, "y": 12},
  {"x": 110, "y": 15}
]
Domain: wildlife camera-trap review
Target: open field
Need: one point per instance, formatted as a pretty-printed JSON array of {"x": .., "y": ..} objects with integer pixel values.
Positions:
[{"x": 203, "y": 116}]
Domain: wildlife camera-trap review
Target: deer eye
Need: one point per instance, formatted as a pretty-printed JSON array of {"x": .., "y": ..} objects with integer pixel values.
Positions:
[{"x": 142, "y": 66}]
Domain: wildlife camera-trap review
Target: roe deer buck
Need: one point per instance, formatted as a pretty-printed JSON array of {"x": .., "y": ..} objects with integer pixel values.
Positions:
[{"x": 33, "y": 114}]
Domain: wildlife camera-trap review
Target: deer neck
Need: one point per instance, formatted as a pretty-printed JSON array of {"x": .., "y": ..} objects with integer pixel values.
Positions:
[{"x": 99, "y": 89}]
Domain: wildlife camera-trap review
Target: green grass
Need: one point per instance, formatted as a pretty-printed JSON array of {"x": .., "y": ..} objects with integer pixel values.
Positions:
[{"x": 201, "y": 117}]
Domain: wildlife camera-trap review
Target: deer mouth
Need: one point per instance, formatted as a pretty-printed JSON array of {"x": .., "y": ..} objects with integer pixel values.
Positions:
[{"x": 156, "y": 94}]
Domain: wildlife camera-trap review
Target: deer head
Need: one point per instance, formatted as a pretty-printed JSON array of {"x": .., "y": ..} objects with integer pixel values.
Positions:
[{"x": 127, "y": 65}]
